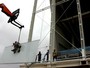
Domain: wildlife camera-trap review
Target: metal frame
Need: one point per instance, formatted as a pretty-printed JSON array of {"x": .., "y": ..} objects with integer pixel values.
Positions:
[{"x": 81, "y": 29}]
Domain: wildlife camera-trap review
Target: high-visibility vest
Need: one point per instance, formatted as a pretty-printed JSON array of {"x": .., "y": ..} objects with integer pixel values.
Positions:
[{"x": 54, "y": 54}]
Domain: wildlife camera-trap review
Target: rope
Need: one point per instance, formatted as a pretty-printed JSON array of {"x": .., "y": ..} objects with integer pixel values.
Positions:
[
  {"x": 42, "y": 27},
  {"x": 44, "y": 38},
  {"x": 43, "y": 19},
  {"x": 41, "y": 4},
  {"x": 42, "y": 24}
]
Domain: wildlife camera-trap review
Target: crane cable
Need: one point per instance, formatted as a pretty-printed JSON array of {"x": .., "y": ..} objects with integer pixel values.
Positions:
[{"x": 41, "y": 4}]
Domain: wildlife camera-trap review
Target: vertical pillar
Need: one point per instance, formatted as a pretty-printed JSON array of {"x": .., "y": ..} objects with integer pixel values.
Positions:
[
  {"x": 52, "y": 29},
  {"x": 32, "y": 21},
  {"x": 81, "y": 29}
]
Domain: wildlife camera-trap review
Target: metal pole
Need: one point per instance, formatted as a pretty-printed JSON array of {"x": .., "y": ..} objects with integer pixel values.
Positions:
[
  {"x": 81, "y": 29},
  {"x": 19, "y": 35},
  {"x": 32, "y": 21}
]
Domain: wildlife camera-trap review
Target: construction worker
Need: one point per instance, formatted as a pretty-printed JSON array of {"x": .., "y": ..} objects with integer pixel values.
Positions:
[
  {"x": 47, "y": 56},
  {"x": 17, "y": 47},
  {"x": 39, "y": 56},
  {"x": 54, "y": 55}
]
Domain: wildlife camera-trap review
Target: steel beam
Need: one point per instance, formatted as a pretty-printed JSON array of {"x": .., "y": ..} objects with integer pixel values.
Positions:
[
  {"x": 58, "y": 3},
  {"x": 75, "y": 16}
]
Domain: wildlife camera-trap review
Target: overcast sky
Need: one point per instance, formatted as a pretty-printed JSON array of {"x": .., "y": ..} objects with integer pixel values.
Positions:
[{"x": 9, "y": 33}]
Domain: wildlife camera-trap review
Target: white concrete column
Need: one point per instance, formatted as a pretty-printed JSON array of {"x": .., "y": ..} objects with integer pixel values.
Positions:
[
  {"x": 32, "y": 21},
  {"x": 52, "y": 30}
]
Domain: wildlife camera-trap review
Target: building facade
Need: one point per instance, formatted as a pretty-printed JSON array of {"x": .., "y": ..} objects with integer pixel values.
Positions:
[{"x": 69, "y": 34}]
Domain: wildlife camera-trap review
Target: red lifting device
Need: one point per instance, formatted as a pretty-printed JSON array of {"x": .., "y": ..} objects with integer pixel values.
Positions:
[{"x": 13, "y": 16}]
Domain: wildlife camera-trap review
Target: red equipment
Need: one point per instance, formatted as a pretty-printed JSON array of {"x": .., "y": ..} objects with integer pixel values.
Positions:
[
  {"x": 13, "y": 16},
  {"x": 6, "y": 10}
]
